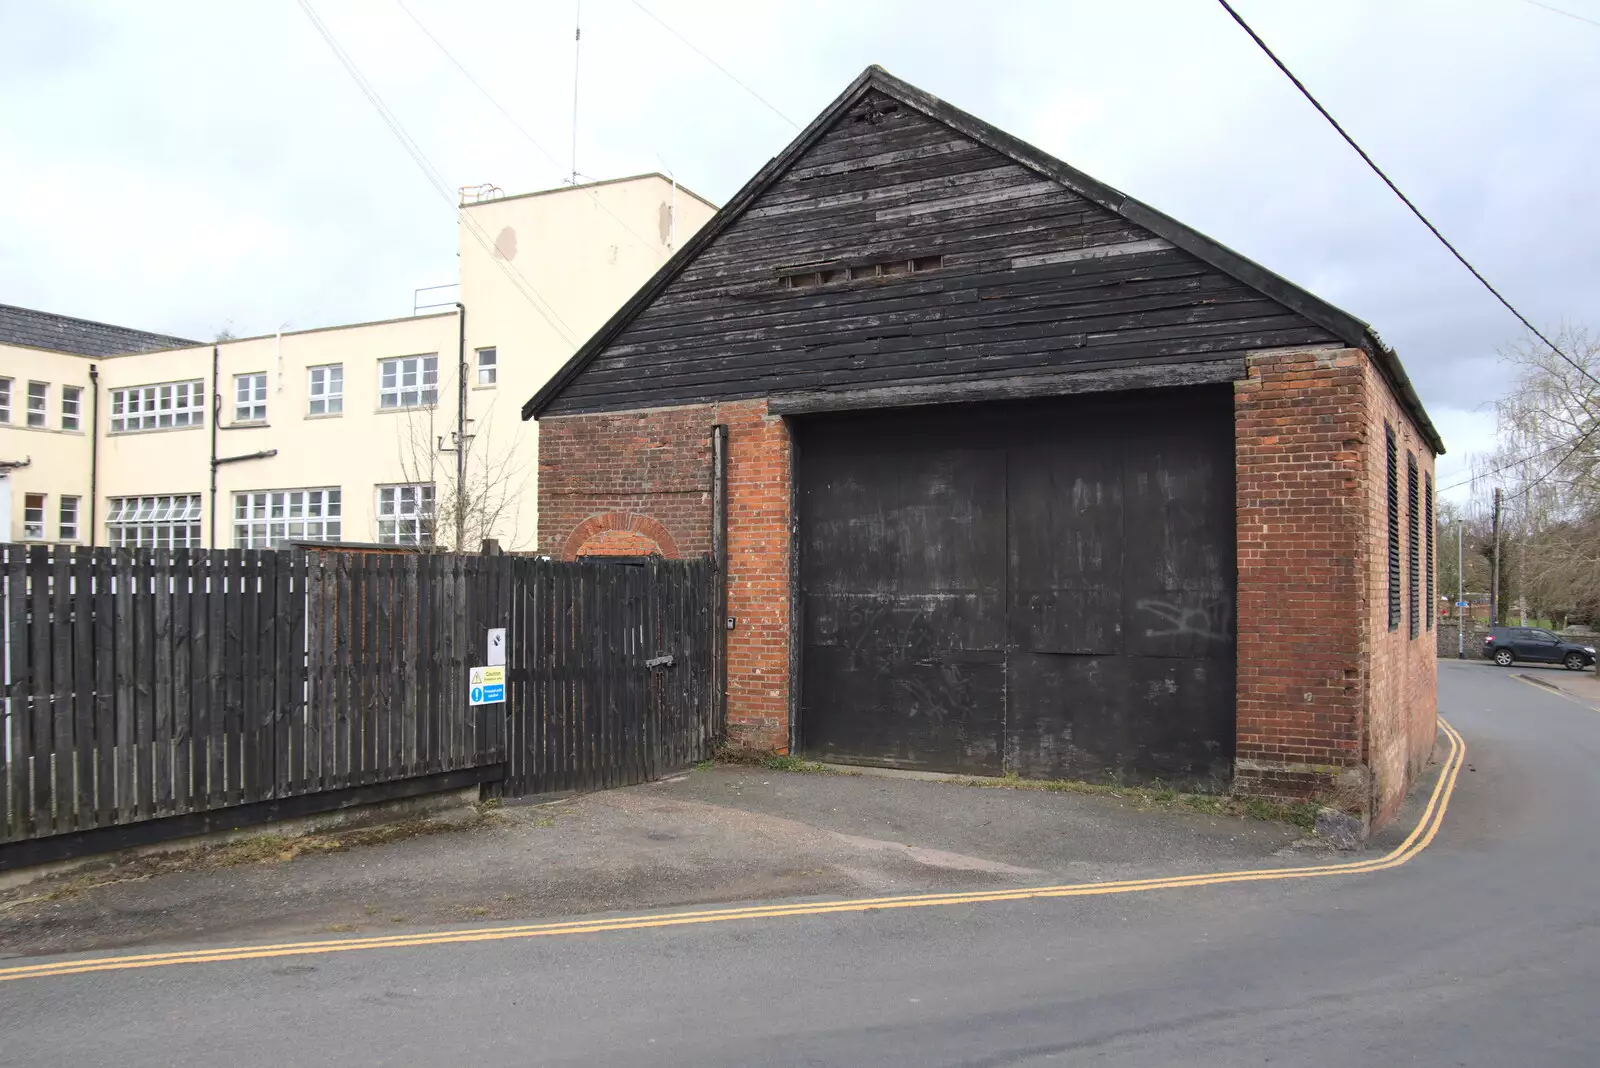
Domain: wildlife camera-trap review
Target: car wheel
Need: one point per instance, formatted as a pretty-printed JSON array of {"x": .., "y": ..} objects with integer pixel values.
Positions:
[
  {"x": 1575, "y": 662},
  {"x": 1503, "y": 657}
]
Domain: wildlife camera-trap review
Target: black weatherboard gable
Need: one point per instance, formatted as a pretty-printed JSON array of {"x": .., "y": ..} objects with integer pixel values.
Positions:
[{"x": 1339, "y": 324}]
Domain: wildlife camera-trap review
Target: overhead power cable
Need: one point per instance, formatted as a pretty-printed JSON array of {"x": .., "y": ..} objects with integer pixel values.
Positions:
[
  {"x": 1519, "y": 461},
  {"x": 730, "y": 75},
  {"x": 1403, "y": 198},
  {"x": 1570, "y": 15},
  {"x": 1553, "y": 468},
  {"x": 517, "y": 125},
  {"x": 414, "y": 150}
]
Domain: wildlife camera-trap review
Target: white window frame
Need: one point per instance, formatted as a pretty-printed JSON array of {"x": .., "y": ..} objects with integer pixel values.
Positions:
[
  {"x": 262, "y": 519},
  {"x": 38, "y": 404},
  {"x": 408, "y": 382},
  {"x": 163, "y": 406},
  {"x": 33, "y": 517},
  {"x": 491, "y": 367},
  {"x": 325, "y": 389},
  {"x": 5, "y": 400},
  {"x": 165, "y": 521},
  {"x": 250, "y": 397},
  {"x": 71, "y": 407},
  {"x": 405, "y": 513},
  {"x": 67, "y": 528}
]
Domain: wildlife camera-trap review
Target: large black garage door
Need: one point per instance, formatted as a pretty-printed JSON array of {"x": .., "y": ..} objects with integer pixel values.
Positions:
[{"x": 1040, "y": 589}]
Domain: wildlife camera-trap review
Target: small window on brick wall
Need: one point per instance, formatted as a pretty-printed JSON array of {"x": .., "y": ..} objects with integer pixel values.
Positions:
[
  {"x": 1393, "y": 496},
  {"x": 1427, "y": 519},
  {"x": 1413, "y": 548}
]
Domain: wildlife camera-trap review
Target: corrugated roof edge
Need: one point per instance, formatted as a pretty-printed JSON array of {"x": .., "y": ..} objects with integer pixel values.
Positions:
[{"x": 1342, "y": 324}]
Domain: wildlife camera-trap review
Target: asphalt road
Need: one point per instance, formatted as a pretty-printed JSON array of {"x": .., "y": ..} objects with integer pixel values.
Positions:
[{"x": 1484, "y": 950}]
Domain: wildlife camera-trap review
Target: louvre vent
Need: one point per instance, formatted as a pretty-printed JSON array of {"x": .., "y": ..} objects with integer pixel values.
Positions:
[{"x": 812, "y": 275}]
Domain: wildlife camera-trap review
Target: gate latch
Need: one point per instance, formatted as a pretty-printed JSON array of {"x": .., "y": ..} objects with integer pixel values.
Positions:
[{"x": 659, "y": 661}]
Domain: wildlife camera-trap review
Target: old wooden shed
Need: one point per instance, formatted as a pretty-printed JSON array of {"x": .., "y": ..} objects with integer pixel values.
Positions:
[{"x": 1022, "y": 474}]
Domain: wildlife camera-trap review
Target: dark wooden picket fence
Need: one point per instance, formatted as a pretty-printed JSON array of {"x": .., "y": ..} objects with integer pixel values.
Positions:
[
  {"x": 389, "y": 640},
  {"x": 176, "y": 691}
]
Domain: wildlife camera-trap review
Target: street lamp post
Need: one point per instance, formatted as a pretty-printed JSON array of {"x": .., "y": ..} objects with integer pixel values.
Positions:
[{"x": 1461, "y": 597}]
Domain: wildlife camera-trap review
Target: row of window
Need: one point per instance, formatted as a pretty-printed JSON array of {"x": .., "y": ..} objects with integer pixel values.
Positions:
[
  {"x": 403, "y": 382},
  {"x": 171, "y": 521},
  {"x": 38, "y": 410},
  {"x": 261, "y": 518},
  {"x": 159, "y": 407},
  {"x": 1419, "y": 526}
]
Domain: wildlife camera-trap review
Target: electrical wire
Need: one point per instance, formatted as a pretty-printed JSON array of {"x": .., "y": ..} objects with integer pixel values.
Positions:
[
  {"x": 515, "y": 124},
  {"x": 1558, "y": 11},
  {"x": 518, "y": 281},
  {"x": 1519, "y": 461},
  {"x": 730, "y": 75},
  {"x": 414, "y": 150},
  {"x": 1576, "y": 445},
  {"x": 1396, "y": 189}
]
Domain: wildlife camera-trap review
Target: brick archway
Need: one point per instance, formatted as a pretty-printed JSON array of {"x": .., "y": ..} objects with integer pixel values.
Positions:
[{"x": 619, "y": 534}]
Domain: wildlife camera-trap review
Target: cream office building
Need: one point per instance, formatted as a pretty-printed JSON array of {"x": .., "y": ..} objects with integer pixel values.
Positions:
[{"x": 111, "y": 436}]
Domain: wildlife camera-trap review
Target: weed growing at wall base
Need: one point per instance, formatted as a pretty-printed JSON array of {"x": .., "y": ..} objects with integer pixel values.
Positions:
[
  {"x": 1298, "y": 813},
  {"x": 1302, "y": 814},
  {"x": 733, "y": 756}
]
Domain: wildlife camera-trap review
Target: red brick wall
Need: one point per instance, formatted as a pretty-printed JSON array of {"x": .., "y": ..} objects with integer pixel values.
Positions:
[
  {"x": 1299, "y": 424},
  {"x": 620, "y": 480},
  {"x": 1330, "y": 703},
  {"x": 760, "y": 474},
  {"x": 600, "y": 473},
  {"x": 1402, "y": 696}
]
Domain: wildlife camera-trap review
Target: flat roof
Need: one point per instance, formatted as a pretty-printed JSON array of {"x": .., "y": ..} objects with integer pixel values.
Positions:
[
  {"x": 295, "y": 333},
  {"x": 590, "y": 185}
]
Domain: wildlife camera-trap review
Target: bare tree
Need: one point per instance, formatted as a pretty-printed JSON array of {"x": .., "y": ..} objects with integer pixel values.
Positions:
[
  {"x": 1549, "y": 427},
  {"x": 1548, "y": 463},
  {"x": 485, "y": 501}
]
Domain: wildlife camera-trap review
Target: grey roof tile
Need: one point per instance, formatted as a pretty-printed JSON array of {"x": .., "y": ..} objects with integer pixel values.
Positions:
[{"x": 63, "y": 333}]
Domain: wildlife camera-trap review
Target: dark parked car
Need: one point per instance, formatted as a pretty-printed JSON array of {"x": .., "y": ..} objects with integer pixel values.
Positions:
[{"x": 1507, "y": 645}]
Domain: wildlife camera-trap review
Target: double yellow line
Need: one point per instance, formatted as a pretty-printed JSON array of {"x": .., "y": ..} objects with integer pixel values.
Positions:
[{"x": 1415, "y": 842}]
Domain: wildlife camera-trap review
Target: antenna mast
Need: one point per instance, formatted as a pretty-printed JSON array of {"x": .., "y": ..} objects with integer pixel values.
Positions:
[{"x": 577, "y": 47}]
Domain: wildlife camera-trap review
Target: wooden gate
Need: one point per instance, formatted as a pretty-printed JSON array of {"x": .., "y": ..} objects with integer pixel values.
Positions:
[{"x": 610, "y": 673}]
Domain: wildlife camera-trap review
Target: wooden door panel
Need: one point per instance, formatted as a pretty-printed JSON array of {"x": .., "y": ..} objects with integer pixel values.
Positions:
[{"x": 902, "y": 561}]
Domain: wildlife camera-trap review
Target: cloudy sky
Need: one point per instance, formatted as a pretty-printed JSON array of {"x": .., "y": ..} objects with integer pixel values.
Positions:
[{"x": 193, "y": 166}]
